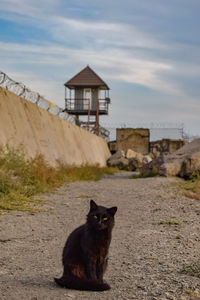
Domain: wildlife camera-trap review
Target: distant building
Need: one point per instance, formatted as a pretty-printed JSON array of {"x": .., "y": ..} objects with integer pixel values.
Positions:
[{"x": 136, "y": 139}]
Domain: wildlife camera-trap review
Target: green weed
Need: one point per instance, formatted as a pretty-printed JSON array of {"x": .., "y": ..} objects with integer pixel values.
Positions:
[
  {"x": 192, "y": 270},
  {"x": 179, "y": 236},
  {"x": 189, "y": 292},
  {"x": 191, "y": 187},
  {"x": 170, "y": 222}
]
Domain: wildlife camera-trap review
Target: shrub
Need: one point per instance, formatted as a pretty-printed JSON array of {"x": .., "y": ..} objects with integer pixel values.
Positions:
[
  {"x": 21, "y": 178},
  {"x": 191, "y": 187}
]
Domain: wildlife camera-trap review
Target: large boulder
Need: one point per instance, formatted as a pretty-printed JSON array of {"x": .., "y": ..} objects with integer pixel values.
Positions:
[
  {"x": 118, "y": 160},
  {"x": 146, "y": 159},
  {"x": 129, "y": 160},
  {"x": 130, "y": 154},
  {"x": 165, "y": 146},
  {"x": 154, "y": 165},
  {"x": 122, "y": 163},
  {"x": 169, "y": 169},
  {"x": 182, "y": 162},
  {"x": 191, "y": 165},
  {"x": 136, "y": 162},
  {"x": 117, "y": 155}
]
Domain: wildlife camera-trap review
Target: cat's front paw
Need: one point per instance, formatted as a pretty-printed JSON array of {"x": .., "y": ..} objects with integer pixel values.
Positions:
[{"x": 106, "y": 286}]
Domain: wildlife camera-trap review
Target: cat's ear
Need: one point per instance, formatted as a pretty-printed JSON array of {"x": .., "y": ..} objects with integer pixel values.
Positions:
[
  {"x": 93, "y": 205},
  {"x": 112, "y": 210}
]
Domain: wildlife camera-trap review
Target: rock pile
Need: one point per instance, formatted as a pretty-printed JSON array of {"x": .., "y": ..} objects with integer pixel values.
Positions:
[
  {"x": 183, "y": 162},
  {"x": 128, "y": 160}
]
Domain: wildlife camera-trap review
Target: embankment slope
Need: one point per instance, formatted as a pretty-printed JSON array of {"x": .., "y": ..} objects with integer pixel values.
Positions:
[{"x": 22, "y": 122}]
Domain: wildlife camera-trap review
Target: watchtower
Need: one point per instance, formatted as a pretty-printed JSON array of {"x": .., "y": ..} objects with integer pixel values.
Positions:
[{"x": 86, "y": 94}]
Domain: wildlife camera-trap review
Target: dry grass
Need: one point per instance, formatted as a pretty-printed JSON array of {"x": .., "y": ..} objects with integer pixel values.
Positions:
[
  {"x": 192, "y": 195},
  {"x": 21, "y": 178},
  {"x": 191, "y": 187},
  {"x": 192, "y": 270}
]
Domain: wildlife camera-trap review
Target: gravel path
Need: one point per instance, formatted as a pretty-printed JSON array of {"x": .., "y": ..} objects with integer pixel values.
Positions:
[{"x": 145, "y": 256}]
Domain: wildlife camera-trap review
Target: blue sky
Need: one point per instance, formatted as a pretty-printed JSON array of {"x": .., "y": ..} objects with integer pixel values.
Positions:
[{"x": 148, "y": 52}]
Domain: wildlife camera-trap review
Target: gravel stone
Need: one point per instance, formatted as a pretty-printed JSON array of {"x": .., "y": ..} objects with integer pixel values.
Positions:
[{"x": 146, "y": 255}]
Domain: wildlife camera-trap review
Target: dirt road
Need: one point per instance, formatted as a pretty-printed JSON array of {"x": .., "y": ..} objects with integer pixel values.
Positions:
[{"x": 145, "y": 256}]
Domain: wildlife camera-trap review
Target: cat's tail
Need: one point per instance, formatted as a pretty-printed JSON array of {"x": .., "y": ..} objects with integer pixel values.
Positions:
[{"x": 82, "y": 284}]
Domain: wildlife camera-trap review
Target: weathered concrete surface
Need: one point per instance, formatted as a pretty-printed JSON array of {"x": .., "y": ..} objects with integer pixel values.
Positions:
[
  {"x": 136, "y": 139},
  {"x": 166, "y": 146},
  {"x": 22, "y": 122}
]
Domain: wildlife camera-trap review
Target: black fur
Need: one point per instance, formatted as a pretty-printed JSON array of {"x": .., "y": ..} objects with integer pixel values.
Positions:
[{"x": 85, "y": 255}]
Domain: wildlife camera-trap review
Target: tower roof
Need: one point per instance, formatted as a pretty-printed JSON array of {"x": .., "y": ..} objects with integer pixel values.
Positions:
[{"x": 88, "y": 78}]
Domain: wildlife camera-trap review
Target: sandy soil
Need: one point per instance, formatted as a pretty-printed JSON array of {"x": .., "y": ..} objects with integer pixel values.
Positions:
[{"x": 145, "y": 256}]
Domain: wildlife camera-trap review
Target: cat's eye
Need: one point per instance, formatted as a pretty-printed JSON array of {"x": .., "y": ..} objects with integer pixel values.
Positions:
[
  {"x": 105, "y": 219},
  {"x": 95, "y": 217}
]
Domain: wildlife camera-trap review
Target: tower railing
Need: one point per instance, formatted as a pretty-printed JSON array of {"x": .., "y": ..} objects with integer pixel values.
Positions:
[
  {"x": 70, "y": 104},
  {"x": 77, "y": 105}
]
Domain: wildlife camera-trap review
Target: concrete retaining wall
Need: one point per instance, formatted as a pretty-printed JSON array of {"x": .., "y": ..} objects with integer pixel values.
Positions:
[
  {"x": 136, "y": 139},
  {"x": 22, "y": 122},
  {"x": 166, "y": 146}
]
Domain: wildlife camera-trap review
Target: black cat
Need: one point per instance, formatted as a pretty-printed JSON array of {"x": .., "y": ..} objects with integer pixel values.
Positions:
[{"x": 85, "y": 254}]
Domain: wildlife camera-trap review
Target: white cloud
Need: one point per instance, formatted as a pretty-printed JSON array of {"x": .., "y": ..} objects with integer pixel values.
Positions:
[
  {"x": 102, "y": 33},
  {"x": 49, "y": 89},
  {"x": 97, "y": 43},
  {"x": 118, "y": 51},
  {"x": 119, "y": 63},
  {"x": 27, "y": 7},
  {"x": 72, "y": 30},
  {"x": 81, "y": 25}
]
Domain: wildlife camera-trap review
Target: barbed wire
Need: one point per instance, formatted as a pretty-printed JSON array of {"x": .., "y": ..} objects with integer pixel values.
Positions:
[
  {"x": 150, "y": 125},
  {"x": 21, "y": 90},
  {"x": 158, "y": 130}
]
